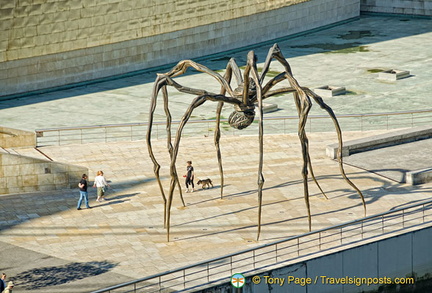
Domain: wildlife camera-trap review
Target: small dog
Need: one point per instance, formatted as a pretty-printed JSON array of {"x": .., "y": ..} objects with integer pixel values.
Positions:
[{"x": 205, "y": 182}]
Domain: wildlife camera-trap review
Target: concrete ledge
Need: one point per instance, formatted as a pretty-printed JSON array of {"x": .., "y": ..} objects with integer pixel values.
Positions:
[
  {"x": 419, "y": 176},
  {"x": 393, "y": 74},
  {"x": 10, "y": 137},
  {"x": 328, "y": 91},
  {"x": 380, "y": 141}
]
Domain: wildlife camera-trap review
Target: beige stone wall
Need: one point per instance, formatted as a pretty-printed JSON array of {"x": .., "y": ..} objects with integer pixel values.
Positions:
[
  {"x": 10, "y": 138},
  {"x": 50, "y": 43},
  {"x": 24, "y": 174},
  {"x": 32, "y": 28}
]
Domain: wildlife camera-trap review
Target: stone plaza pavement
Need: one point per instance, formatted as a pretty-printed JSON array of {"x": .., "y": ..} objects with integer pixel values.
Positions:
[
  {"x": 124, "y": 238},
  {"x": 46, "y": 245}
]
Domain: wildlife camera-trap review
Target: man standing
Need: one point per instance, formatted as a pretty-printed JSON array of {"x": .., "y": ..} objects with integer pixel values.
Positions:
[
  {"x": 2, "y": 282},
  {"x": 83, "y": 192}
]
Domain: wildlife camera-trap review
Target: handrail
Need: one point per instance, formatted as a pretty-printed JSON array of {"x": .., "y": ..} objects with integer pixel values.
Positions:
[
  {"x": 365, "y": 222},
  {"x": 226, "y": 120},
  {"x": 136, "y": 131}
]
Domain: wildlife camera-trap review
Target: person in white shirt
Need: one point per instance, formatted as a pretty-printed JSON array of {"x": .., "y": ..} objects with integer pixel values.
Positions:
[{"x": 100, "y": 183}]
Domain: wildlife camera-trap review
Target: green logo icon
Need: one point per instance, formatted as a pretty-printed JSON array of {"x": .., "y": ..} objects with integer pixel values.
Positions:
[{"x": 238, "y": 280}]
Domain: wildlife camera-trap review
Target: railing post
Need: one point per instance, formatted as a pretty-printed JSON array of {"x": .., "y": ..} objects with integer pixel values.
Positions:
[
  {"x": 319, "y": 238},
  {"x": 403, "y": 218},
  {"x": 184, "y": 278},
  {"x": 254, "y": 259},
  {"x": 423, "y": 210},
  {"x": 298, "y": 246}
]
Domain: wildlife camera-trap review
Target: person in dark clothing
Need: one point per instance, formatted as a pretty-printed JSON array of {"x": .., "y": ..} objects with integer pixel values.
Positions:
[
  {"x": 189, "y": 177},
  {"x": 3, "y": 282},
  {"x": 83, "y": 192}
]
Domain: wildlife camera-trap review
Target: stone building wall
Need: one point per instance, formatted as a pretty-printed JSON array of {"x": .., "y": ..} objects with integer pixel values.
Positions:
[
  {"x": 410, "y": 7},
  {"x": 48, "y": 43}
]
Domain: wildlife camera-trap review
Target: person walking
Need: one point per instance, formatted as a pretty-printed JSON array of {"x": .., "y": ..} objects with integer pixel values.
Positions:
[
  {"x": 9, "y": 287},
  {"x": 83, "y": 192},
  {"x": 101, "y": 184},
  {"x": 189, "y": 177},
  {"x": 3, "y": 282}
]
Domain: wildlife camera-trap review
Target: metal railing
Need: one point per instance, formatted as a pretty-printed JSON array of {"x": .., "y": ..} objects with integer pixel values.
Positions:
[
  {"x": 272, "y": 125},
  {"x": 284, "y": 252}
]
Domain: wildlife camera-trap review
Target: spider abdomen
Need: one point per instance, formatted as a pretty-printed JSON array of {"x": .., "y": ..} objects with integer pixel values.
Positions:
[{"x": 241, "y": 119}]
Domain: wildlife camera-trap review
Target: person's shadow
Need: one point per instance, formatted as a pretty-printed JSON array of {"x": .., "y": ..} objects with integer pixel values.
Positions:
[{"x": 51, "y": 276}]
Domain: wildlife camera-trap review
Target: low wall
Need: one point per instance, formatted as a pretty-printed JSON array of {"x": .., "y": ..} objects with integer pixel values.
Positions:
[
  {"x": 410, "y": 7},
  {"x": 10, "y": 138},
  {"x": 53, "y": 44},
  {"x": 24, "y": 174},
  {"x": 380, "y": 141},
  {"x": 397, "y": 259}
]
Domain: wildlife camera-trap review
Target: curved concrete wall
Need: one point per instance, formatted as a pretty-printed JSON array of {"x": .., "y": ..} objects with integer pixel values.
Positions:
[{"x": 48, "y": 43}]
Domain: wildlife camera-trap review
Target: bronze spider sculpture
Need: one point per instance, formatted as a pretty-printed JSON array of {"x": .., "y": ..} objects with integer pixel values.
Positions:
[{"x": 249, "y": 91}]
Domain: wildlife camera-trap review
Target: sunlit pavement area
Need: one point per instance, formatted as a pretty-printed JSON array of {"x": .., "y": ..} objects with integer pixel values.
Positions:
[{"x": 49, "y": 246}]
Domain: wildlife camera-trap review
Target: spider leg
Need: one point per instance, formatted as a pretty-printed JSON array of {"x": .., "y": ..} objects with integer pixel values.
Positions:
[
  {"x": 183, "y": 65},
  {"x": 217, "y": 136},
  {"x": 168, "y": 129},
  {"x": 276, "y": 53},
  {"x": 156, "y": 166},
  {"x": 304, "y": 104},
  {"x": 232, "y": 68},
  {"x": 198, "y": 101},
  {"x": 251, "y": 69},
  {"x": 329, "y": 110}
]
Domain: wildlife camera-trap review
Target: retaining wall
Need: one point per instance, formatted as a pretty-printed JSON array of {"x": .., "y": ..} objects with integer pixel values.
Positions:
[
  {"x": 26, "y": 174},
  {"x": 20, "y": 174},
  {"x": 49, "y": 43}
]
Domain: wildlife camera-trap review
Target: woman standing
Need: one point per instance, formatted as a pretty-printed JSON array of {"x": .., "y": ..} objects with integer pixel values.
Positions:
[{"x": 101, "y": 183}]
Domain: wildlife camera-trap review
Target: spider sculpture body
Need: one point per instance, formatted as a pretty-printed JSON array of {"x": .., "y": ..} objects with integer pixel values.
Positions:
[{"x": 250, "y": 91}]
